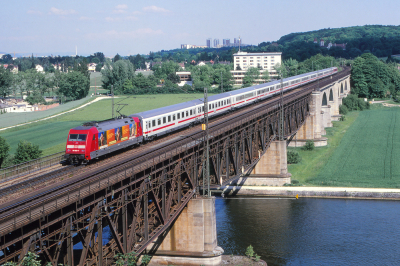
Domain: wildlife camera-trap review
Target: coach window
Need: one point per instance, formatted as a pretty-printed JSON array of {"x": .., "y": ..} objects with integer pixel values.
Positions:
[
  {"x": 169, "y": 118},
  {"x": 183, "y": 114},
  {"x": 191, "y": 112},
  {"x": 179, "y": 116},
  {"x": 187, "y": 113},
  {"x": 209, "y": 106},
  {"x": 164, "y": 120},
  {"x": 202, "y": 109},
  {"x": 159, "y": 121},
  {"x": 173, "y": 117},
  {"x": 153, "y": 123}
]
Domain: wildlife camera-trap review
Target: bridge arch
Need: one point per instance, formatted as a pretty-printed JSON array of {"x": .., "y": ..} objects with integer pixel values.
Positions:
[
  {"x": 341, "y": 87},
  {"x": 331, "y": 95},
  {"x": 324, "y": 100}
]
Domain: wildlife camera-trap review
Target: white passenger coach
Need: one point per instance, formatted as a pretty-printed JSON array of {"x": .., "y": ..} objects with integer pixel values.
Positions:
[{"x": 164, "y": 120}]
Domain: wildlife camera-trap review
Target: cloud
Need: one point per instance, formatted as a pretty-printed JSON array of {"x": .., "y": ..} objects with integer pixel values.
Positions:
[
  {"x": 155, "y": 9},
  {"x": 34, "y": 12},
  {"x": 119, "y": 9},
  {"x": 57, "y": 11},
  {"x": 139, "y": 33}
]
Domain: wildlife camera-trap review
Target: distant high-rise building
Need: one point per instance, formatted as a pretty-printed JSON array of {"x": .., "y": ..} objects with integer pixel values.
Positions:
[
  {"x": 216, "y": 43},
  {"x": 208, "y": 41},
  {"x": 226, "y": 42}
]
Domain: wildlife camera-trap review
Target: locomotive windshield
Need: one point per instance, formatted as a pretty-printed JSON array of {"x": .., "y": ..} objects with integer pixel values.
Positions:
[{"x": 77, "y": 137}]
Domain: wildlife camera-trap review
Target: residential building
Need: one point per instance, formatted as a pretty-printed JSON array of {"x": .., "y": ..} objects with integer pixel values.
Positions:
[
  {"x": 208, "y": 43},
  {"x": 226, "y": 42},
  {"x": 39, "y": 68},
  {"x": 182, "y": 65},
  {"x": 264, "y": 61},
  {"x": 245, "y": 60},
  {"x": 216, "y": 43},
  {"x": 92, "y": 67},
  {"x": 185, "y": 77}
]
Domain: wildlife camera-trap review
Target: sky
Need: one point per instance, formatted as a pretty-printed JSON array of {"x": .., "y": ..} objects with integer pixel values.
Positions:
[{"x": 138, "y": 27}]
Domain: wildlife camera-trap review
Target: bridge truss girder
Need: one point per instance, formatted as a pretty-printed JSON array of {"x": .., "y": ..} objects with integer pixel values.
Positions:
[{"x": 136, "y": 203}]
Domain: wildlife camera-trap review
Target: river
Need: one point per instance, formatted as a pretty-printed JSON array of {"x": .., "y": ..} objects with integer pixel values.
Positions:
[{"x": 311, "y": 231}]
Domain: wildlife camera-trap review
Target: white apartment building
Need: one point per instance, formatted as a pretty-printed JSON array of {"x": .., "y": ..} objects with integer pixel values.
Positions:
[{"x": 263, "y": 61}]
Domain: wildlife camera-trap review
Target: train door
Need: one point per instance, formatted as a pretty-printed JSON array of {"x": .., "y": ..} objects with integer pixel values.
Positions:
[{"x": 94, "y": 143}]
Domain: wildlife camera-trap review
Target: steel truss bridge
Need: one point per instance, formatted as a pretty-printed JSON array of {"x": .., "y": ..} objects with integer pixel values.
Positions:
[{"x": 123, "y": 209}]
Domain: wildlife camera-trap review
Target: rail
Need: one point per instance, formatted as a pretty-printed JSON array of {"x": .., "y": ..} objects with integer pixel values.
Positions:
[{"x": 30, "y": 166}]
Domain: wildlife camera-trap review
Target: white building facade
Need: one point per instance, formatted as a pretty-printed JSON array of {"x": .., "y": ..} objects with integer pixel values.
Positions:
[{"x": 264, "y": 61}]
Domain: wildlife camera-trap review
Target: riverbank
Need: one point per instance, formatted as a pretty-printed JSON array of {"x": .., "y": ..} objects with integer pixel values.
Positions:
[{"x": 312, "y": 192}]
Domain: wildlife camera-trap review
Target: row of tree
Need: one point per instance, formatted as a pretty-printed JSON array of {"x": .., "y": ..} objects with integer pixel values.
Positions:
[{"x": 74, "y": 84}]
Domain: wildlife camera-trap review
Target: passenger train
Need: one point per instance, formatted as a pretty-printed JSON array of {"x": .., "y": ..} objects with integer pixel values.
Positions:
[{"x": 95, "y": 139}]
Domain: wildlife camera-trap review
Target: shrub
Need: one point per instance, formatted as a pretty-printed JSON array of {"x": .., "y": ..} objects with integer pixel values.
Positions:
[
  {"x": 342, "y": 118},
  {"x": 293, "y": 157},
  {"x": 309, "y": 145},
  {"x": 343, "y": 109},
  {"x": 354, "y": 103},
  {"x": 257, "y": 258},
  {"x": 146, "y": 260},
  {"x": 249, "y": 251}
]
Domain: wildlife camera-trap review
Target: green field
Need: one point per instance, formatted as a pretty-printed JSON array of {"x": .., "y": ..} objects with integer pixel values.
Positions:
[
  {"x": 362, "y": 151},
  {"x": 51, "y": 134}
]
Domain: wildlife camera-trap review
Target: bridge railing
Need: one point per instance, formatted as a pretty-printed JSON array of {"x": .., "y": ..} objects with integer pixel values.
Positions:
[{"x": 30, "y": 166}]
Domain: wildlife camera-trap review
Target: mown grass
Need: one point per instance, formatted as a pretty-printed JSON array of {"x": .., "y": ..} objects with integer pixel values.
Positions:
[
  {"x": 51, "y": 134},
  {"x": 313, "y": 161},
  {"x": 365, "y": 156}
]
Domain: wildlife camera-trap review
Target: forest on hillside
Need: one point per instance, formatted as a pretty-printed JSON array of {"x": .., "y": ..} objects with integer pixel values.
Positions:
[{"x": 381, "y": 41}]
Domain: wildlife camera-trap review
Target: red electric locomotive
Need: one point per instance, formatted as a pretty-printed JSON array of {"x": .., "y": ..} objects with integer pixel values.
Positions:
[{"x": 94, "y": 139}]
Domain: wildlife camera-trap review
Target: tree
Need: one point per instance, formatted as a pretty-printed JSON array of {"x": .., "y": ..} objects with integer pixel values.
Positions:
[
  {"x": 4, "y": 149},
  {"x": 6, "y": 59},
  {"x": 116, "y": 74},
  {"x": 173, "y": 78},
  {"x": 33, "y": 65},
  {"x": 26, "y": 151},
  {"x": 74, "y": 85},
  {"x": 265, "y": 76},
  {"x": 5, "y": 81},
  {"x": 100, "y": 56},
  {"x": 117, "y": 57},
  {"x": 250, "y": 76}
]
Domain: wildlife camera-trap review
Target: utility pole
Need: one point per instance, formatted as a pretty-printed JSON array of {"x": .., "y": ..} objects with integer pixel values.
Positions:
[
  {"x": 280, "y": 133},
  {"x": 206, "y": 165},
  {"x": 222, "y": 84},
  {"x": 112, "y": 100}
]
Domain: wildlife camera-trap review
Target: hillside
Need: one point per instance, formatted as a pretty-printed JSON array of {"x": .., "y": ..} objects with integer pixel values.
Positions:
[{"x": 340, "y": 35}]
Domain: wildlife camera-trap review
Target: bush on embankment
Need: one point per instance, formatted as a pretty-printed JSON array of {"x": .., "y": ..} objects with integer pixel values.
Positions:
[{"x": 352, "y": 102}]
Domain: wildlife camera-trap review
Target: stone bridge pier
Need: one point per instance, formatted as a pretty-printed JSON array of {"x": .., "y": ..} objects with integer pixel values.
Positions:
[
  {"x": 192, "y": 239},
  {"x": 324, "y": 108}
]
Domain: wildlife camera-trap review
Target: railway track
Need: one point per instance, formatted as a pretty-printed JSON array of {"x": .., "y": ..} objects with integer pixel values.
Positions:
[
  {"x": 76, "y": 197},
  {"x": 69, "y": 176}
]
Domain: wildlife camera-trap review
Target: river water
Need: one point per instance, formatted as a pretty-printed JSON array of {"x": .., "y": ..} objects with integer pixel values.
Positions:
[{"x": 311, "y": 231}]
